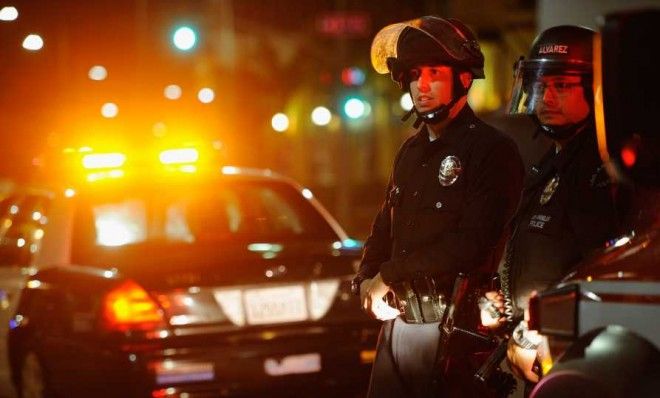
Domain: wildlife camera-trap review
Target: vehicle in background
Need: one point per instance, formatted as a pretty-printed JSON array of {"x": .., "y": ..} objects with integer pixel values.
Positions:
[{"x": 176, "y": 280}]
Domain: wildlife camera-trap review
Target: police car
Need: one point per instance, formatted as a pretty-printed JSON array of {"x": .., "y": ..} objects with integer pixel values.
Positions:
[
  {"x": 602, "y": 324},
  {"x": 173, "y": 279}
]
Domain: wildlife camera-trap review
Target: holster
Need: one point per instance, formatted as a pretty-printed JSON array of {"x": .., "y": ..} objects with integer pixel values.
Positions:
[{"x": 421, "y": 300}]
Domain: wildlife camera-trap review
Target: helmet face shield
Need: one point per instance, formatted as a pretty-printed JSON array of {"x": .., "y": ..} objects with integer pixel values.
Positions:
[
  {"x": 560, "y": 51},
  {"x": 530, "y": 83},
  {"x": 453, "y": 44}
]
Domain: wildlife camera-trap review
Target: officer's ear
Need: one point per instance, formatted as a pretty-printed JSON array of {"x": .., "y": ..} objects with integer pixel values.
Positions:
[{"x": 466, "y": 79}]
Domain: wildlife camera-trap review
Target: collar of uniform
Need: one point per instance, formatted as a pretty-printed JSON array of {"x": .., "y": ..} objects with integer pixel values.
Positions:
[
  {"x": 453, "y": 130},
  {"x": 553, "y": 162},
  {"x": 567, "y": 153}
]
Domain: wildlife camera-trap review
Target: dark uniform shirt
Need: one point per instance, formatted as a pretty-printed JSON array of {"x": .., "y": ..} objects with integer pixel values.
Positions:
[
  {"x": 434, "y": 224},
  {"x": 568, "y": 210}
]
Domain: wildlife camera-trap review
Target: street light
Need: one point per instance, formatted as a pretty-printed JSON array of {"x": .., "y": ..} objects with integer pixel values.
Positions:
[
  {"x": 184, "y": 38},
  {"x": 8, "y": 13},
  {"x": 97, "y": 72},
  {"x": 33, "y": 42},
  {"x": 109, "y": 110},
  {"x": 321, "y": 116},
  {"x": 172, "y": 92},
  {"x": 206, "y": 95},
  {"x": 280, "y": 122},
  {"x": 406, "y": 102}
]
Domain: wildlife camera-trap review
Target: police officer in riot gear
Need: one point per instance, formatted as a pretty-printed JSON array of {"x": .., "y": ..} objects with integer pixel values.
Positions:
[
  {"x": 569, "y": 205},
  {"x": 454, "y": 187}
]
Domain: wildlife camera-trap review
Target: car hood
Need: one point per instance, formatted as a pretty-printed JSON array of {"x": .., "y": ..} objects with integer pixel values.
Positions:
[{"x": 627, "y": 258}]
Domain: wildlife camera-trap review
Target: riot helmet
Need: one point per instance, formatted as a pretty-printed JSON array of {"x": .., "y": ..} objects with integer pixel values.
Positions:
[
  {"x": 428, "y": 40},
  {"x": 558, "y": 51}
]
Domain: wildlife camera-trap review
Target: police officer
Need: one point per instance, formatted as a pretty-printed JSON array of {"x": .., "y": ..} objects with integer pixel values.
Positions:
[
  {"x": 569, "y": 206},
  {"x": 454, "y": 187}
]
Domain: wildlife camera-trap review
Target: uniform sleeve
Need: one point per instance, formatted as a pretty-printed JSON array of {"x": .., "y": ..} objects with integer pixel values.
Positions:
[
  {"x": 493, "y": 197},
  {"x": 377, "y": 248}
]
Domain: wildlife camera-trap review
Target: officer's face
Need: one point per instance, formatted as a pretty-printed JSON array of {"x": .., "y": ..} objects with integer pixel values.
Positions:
[
  {"x": 430, "y": 86},
  {"x": 562, "y": 100}
]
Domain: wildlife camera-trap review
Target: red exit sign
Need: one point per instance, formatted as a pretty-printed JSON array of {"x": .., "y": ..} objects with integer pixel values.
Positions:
[{"x": 344, "y": 24}]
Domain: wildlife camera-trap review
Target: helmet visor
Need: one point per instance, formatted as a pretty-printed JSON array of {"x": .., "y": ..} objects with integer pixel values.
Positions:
[
  {"x": 448, "y": 37},
  {"x": 532, "y": 80}
]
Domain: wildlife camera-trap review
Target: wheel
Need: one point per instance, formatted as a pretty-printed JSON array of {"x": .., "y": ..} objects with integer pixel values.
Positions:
[{"x": 32, "y": 383}]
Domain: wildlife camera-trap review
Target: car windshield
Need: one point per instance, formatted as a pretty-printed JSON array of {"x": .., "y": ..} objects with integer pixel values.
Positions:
[{"x": 194, "y": 215}]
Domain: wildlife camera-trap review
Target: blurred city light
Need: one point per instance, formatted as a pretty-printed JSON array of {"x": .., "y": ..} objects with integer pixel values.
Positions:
[
  {"x": 184, "y": 38},
  {"x": 406, "y": 102},
  {"x": 172, "y": 92},
  {"x": 33, "y": 42},
  {"x": 355, "y": 108},
  {"x": 280, "y": 122},
  {"x": 97, "y": 72},
  {"x": 103, "y": 160},
  {"x": 230, "y": 170},
  {"x": 307, "y": 193},
  {"x": 69, "y": 193},
  {"x": 178, "y": 156},
  {"x": 352, "y": 76},
  {"x": 159, "y": 129},
  {"x": 321, "y": 116},
  {"x": 109, "y": 110},
  {"x": 206, "y": 95},
  {"x": 8, "y": 13}
]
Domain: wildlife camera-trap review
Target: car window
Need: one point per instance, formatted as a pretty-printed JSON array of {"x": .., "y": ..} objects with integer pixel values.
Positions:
[{"x": 244, "y": 210}]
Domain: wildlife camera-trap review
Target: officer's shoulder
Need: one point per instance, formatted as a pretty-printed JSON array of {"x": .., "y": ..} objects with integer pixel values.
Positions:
[{"x": 492, "y": 138}]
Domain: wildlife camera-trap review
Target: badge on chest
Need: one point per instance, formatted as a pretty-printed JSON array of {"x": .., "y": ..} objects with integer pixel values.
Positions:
[
  {"x": 450, "y": 170},
  {"x": 549, "y": 190}
]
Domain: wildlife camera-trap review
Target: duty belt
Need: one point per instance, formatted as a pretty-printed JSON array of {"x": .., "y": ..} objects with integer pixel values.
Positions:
[{"x": 421, "y": 300}]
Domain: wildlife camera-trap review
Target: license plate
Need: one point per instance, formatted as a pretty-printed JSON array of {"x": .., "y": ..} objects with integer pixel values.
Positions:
[
  {"x": 275, "y": 305},
  {"x": 293, "y": 364}
]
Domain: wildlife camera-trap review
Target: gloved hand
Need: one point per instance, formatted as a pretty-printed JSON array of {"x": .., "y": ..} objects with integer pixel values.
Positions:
[
  {"x": 492, "y": 310},
  {"x": 372, "y": 297}
]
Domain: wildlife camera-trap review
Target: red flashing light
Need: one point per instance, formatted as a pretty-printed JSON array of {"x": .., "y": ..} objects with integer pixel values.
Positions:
[
  {"x": 628, "y": 156},
  {"x": 129, "y": 307}
]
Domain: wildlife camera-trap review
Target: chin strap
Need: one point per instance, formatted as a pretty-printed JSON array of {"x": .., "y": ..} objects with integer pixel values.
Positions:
[{"x": 434, "y": 115}]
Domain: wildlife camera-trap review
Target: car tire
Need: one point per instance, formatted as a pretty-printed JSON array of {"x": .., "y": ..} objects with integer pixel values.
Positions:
[{"x": 33, "y": 382}]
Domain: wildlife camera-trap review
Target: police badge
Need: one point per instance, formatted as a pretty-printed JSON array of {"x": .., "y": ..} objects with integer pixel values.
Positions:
[
  {"x": 450, "y": 170},
  {"x": 549, "y": 190}
]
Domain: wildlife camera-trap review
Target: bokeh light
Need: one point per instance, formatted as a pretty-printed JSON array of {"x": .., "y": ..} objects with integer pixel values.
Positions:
[
  {"x": 354, "y": 108},
  {"x": 33, "y": 42},
  {"x": 321, "y": 116},
  {"x": 172, "y": 92},
  {"x": 406, "y": 102},
  {"x": 109, "y": 110},
  {"x": 280, "y": 122},
  {"x": 206, "y": 95},
  {"x": 8, "y": 13},
  {"x": 97, "y": 72},
  {"x": 184, "y": 38}
]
